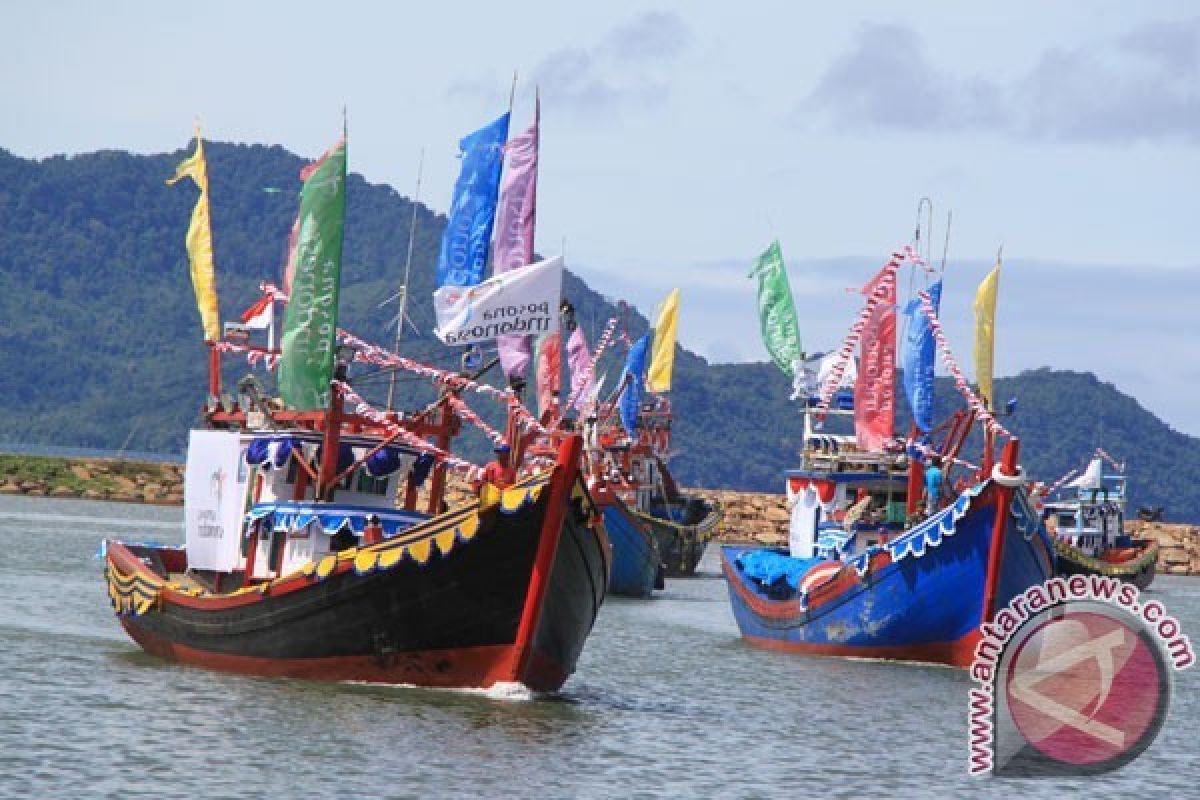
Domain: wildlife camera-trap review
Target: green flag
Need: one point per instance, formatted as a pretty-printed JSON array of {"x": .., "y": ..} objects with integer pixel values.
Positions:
[
  {"x": 777, "y": 314},
  {"x": 306, "y": 364}
]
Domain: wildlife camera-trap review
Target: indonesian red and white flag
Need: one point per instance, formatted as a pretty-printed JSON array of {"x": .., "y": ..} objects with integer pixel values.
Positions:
[{"x": 261, "y": 315}]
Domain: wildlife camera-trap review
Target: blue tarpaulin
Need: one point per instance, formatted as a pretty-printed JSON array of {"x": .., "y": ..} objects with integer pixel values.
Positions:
[{"x": 769, "y": 567}]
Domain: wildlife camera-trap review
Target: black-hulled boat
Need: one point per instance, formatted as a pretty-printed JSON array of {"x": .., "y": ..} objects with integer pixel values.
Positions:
[
  {"x": 305, "y": 554},
  {"x": 500, "y": 590}
]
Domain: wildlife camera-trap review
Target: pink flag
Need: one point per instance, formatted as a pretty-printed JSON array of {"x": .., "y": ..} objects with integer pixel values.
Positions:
[
  {"x": 579, "y": 358},
  {"x": 514, "y": 229},
  {"x": 875, "y": 388},
  {"x": 549, "y": 373}
]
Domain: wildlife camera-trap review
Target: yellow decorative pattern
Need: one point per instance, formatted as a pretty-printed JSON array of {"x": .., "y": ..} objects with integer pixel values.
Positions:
[
  {"x": 325, "y": 566},
  {"x": 365, "y": 561},
  {"x": 132, "y": 594},
  {"x": 136, "y": 594}
]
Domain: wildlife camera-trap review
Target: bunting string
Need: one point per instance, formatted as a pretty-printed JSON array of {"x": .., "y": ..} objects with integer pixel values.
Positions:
[
  {"x": 605, "y": 339},
  {"x": 1058, "y": 484},
  {"x": 466, "y": 414},
  {"x": 1119, "y": 466},
  {"x": 929, "y": 452},
  {"x": 973, "y": 402},
  {"x": 881, "y": 290},
  {"x": 365, "y": 410}
]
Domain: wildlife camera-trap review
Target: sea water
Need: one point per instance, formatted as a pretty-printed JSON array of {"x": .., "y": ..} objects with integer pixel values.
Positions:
[{"x": 667, "y": 701}]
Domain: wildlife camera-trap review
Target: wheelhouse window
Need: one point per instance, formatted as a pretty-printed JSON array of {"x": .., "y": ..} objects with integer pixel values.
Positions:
[{"x": 369, "y": 484}]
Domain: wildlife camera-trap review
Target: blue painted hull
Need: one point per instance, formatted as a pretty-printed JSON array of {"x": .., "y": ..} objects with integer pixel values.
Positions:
[
  {"x": 635, "y": 562},
  {"x": 920, "y": 598}
]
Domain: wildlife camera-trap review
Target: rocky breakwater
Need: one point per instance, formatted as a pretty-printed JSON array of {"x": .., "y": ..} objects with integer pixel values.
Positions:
[
  {"x": 92, "y": 479},
  {"x": 749, "y": 517},
  {"x": 1178, "y": 545}
]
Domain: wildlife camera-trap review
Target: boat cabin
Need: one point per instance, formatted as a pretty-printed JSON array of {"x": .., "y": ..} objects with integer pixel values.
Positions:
[
  {"x": 250, "y": 513},
  {"x": 1092, "y": 519}
]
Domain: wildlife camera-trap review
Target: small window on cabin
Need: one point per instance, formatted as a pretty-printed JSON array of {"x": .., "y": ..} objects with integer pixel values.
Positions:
[
  {"x": 292, "y": 469},
  {"x": 369, "y": 484},
  {"x": 348, "y": 482},
  {"x": 1066, "y": 520}
]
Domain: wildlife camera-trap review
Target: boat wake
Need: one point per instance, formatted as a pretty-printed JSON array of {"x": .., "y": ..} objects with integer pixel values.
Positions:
[{"x": 505, "y": 691}]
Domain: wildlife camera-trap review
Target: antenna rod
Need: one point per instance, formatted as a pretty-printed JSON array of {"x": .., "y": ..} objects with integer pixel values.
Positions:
[
  {"x": 946, "y": 244},
  {"x": 412, "y": 235}
]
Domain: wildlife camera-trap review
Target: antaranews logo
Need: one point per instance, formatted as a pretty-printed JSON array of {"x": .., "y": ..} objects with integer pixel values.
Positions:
[{"x": 1074, "y": 678}]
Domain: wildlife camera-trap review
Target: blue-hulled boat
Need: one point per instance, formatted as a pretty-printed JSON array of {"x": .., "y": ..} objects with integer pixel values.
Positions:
[
  {"x": 636, "y": 564},
  {"x": 919, "y": 595},
  {"x": 869, "y": 570}
]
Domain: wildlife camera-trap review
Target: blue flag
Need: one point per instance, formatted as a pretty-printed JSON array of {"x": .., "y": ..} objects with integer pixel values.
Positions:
[
  {"x": 463, "y": 259},
  {"x": 635, "y": 368},
  {"x": 918, "y": 360}
]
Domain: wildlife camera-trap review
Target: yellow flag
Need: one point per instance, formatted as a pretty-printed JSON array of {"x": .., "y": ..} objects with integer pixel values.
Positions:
[
  {"x": 658, "y": 377},
  {"x": 199, "y": 242},
  {"x": 985, "y": 333}
]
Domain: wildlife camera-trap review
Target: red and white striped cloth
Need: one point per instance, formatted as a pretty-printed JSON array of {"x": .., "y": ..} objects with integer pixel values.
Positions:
[{"x": 960, "y": 382}]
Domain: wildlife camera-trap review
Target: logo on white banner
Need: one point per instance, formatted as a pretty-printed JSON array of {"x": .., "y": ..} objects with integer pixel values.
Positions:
[{"x": 520, "y": 301}]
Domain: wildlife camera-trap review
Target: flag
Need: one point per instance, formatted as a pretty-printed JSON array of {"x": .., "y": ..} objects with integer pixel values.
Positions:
[
  {"x": 199, "y": 242},
  {"x": 260, "y": 315},
  {"x": 632, "y": 377},
  {"x": 776, "y": 311},
  {"x": 918, "y": 360},
  {"x": 985, "y": 333},
  {"x": 463, "y": 258},
  {"x": 549, "y": 372},
  {"x": 875, "y": 388},
  {"x": 515, "y": 228},
  {"x": 663, "y": 353},
  {"x": 523, "y": 300},
  {"x": 310, "y": 323},
  {"x": 579, "y": 358}
]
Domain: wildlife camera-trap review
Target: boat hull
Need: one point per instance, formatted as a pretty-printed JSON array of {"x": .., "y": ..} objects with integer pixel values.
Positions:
[
  {"x": 636, "y": 569},
  {"x": 922, "y": 601},
  {"x": 443, "y": 605},
  {"x": 1138, "y": 569},
  {"x": 681, "y": 546}
]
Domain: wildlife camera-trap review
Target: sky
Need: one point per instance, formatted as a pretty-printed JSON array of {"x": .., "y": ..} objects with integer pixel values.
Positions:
[{"x": 679, "y": 139}]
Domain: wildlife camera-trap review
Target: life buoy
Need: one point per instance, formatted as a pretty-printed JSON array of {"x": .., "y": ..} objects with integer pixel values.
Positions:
[
  {"x": 1011, "y": 481},
  {"x": 819, "y": 574}
]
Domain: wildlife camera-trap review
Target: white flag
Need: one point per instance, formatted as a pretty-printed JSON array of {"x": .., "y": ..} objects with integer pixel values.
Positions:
[{"x": 522, "y": 300}]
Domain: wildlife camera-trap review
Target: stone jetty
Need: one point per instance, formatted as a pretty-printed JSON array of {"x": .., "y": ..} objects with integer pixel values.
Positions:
[{"x": 749, "y": 517}]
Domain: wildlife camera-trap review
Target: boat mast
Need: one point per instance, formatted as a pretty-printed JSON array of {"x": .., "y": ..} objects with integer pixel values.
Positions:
[{"x": 412, "y": 236}]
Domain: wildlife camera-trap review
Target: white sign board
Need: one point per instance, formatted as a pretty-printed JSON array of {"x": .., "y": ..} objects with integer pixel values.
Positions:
[
  {"x": 521, "y": 301},
  {"x": 214, "y": 495}
]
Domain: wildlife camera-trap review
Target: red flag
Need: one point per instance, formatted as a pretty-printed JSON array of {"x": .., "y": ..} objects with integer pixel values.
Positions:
[
  {"x": 875, "y": 389},
  {"x": 259, "y": 315},
  {"x": 549, "y": 372}
]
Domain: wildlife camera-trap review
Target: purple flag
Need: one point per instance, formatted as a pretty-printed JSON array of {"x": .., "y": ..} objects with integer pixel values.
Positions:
[
  {"x": 514, "y": 229},
  {"x": 580, "y": 360}
]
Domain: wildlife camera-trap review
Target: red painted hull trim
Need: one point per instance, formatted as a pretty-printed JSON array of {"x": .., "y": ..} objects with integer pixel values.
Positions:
[
  {"x": 958, "y": 653},
  {"x": 467, "y": 667}
]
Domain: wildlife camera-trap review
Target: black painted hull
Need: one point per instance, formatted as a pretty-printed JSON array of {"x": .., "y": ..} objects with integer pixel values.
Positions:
[{"x": 452, "y": 620}]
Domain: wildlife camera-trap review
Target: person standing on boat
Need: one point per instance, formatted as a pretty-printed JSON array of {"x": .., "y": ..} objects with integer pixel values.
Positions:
[
  {"x": 499, "y": 472},
  {"x": 933, "y": 485}
]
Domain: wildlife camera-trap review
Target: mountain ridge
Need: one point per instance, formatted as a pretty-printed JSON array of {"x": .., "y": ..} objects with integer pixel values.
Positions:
[{"x": 102, "y": 343}]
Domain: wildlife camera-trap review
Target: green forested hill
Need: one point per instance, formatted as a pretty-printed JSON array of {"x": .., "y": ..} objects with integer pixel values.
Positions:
[{"x": 100, "y": 342}]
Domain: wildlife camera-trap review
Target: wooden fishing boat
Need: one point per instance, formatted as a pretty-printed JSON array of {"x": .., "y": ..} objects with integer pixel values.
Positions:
[
  {"x": 636, "y": 470},
  {"x": 866, "y": 572},
  {"x": 503, "y": 589},
  {"x": 1089, "y": 529},
  {"x": 911, "y": 593},
  {"x": 299, "y": 560}
]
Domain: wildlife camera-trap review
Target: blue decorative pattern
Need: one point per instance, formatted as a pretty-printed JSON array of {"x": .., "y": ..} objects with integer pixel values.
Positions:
[{"x": 332, "y": 518}]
